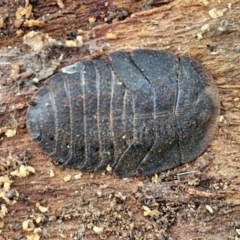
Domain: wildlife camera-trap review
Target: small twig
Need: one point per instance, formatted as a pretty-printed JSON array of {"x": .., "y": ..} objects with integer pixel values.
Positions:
[
  {"x": 219, "y": 194},
  {"x": 185, "y": 173}
]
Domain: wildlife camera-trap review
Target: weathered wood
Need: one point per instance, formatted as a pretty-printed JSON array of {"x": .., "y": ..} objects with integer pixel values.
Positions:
[{"x": 199, "y": 200}]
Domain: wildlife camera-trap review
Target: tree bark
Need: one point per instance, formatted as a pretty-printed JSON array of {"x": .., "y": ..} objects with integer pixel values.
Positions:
[{"x": 199, "y": 200}]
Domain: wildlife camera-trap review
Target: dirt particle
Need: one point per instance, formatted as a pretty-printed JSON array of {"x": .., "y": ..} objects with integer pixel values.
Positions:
[
  {"x": 15, "y": 70},
  {"x": 24, "y": 12},
  {"x": 70, "y": 43},
  {"x": 205, "y": 28},
  {"x": 3, "y": 211},
  {"x": 77, "y": 176},
  {"x": 10, "y": 132},
  {"x": 23, "y": 171},
  {"x": 97, "y": 230},
  {"x": 34, "y": 23},
  {"x": 215, "y": 13},
  {"x": 199, "y": 36},
  {"x": 223, "y": 26},
  {"x": 19, "y": 32},
  {"x": 6, "y": 182},
  {"x": 92, "y": 20},
  {"x": 67, "y": 178},
  {"x": 38, "y": 217},
  {"x": 156, "y": 179},
  {"x": 78, "y": 42},
  {"x": 120, "y": 196},
  {"x": 1, "y": 22},
  {"x": 41, "y": 208},
  {"x": 60, "y": 4},
  {"x": 1, "y": 224},
  {"x": 51, "y": 173},
  {"x": 111, "y": 36},
  {"x": 149, "y": 212},
  {"x": 210, "y": 209},
  {"x": 238, "y": 48},
  {"x": 37, "y": 40},
  {"x": 28, "y": 225},
  {"x": 33, "y": 237},
  {"x": 109, "y": 168},
  {"x": 205, "y": 2},
  {"x": 20, "y": 106}
]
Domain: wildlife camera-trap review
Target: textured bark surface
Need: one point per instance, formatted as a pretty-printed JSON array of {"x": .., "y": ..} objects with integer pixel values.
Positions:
[{"x": 199, "y": 200}]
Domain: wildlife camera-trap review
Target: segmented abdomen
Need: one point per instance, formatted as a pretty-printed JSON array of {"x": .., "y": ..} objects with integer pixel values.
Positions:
[{"x": 140, "y": 112}]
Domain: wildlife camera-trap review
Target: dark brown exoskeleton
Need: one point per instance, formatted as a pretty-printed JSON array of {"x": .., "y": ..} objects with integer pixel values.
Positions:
[{"x": 140, "y": 112}]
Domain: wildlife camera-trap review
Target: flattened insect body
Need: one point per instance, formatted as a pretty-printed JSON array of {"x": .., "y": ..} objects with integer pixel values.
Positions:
[{"x": 140, "y": 112}]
